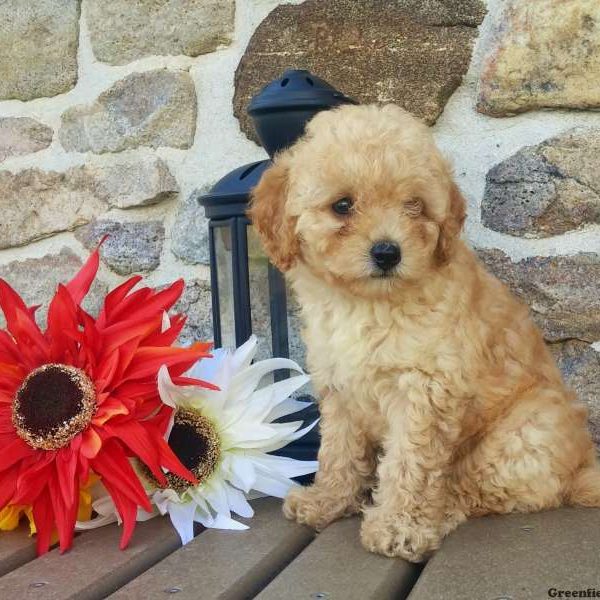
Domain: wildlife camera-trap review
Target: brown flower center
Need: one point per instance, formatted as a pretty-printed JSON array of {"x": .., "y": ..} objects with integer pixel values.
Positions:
[
  {"x": 54, "y": 403},
  {"x": 196, "y": 444}
]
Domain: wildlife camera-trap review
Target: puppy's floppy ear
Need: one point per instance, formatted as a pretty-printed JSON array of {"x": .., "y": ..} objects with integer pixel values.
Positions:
[
  {"x": 268, "y": 215},
  {"x": 451, "y": 226}
]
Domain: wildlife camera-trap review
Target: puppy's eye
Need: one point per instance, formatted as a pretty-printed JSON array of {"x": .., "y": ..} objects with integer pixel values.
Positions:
[
  {"x": 413, "y": 207},
  {"x": 343, "y": 206}
]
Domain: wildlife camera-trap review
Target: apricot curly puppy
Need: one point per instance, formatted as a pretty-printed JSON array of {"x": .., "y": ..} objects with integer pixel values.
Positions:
[{"x": 439, "y": 399}]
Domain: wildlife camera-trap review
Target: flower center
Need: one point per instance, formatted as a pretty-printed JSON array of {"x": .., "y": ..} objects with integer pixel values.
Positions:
[
  {"x": 196, "y": 444},
  {"x": 54, "y": 403}
]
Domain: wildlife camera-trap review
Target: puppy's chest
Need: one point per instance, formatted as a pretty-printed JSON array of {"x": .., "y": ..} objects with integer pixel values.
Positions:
[{"x": 350, "y": 350}]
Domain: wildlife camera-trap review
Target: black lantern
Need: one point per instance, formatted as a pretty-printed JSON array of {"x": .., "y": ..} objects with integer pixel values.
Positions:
[{"x": 248, "y": 293}]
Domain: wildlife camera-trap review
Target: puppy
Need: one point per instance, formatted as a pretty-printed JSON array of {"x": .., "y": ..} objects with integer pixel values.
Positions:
[{"x": 438, "y": 396}]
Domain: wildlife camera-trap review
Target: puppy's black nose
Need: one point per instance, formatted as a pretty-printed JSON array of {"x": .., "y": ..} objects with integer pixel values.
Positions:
[{"x": 386, "y": 255}]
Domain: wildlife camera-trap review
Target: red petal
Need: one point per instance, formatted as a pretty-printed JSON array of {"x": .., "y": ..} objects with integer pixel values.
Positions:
[
  {"x": 141, "y": 444},
  {"x": 8, "y": 485},
  {"x": 118, "y": 334},
  {"x": 33, "y": 477},
  {"x": 14, "y": 452},
  {"x": 63, "y": 512},
  {"x": 115, "y": 298},
  {"x": 167, "y": 337},
  {"x": 127, "y": 511},
  {"x": 43, "y": 517},
  {"x": 112, "y": 466},
  {"x": 148, "y": 360},
  {"x": 80, "y": 285}
]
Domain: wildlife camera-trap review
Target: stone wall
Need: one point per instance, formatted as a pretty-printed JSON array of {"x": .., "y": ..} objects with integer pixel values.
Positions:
[{"x": 115, "y": 114}]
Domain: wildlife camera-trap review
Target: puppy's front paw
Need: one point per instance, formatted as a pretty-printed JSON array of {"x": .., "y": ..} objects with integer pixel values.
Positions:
[
  {"x": 316, "y": 506},
  {"x": 393, "y": 534}
]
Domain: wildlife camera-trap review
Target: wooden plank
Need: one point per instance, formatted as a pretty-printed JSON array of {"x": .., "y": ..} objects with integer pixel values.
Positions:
[
  {"x": 95, "y": 567},
  {"x": 16, "y": 548},
  {"x": 229, "y": 565},
  {"x": 336, "y": 566},
  {"x": 516, "y": 557}
]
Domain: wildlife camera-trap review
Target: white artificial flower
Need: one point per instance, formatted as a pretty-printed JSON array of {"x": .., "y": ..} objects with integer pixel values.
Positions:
[{"x": 225, "y": 436}]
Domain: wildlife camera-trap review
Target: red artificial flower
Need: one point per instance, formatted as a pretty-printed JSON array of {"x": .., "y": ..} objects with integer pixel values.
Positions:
[{"x": 82, "y": 397}]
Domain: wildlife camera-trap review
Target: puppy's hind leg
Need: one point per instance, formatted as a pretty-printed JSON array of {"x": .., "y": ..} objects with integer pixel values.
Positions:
[{"x": 346, "y": 468}]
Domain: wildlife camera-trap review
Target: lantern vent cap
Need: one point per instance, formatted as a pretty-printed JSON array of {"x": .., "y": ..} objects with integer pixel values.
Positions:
[{"x": 297, "y": 88}]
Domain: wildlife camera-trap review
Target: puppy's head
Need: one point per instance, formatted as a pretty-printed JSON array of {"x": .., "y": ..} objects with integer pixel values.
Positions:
[{"x": 364, "y": 200}]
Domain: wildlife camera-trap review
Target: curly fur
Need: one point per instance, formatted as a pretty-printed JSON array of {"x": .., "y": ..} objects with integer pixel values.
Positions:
[{"x": 439, "y": 398}]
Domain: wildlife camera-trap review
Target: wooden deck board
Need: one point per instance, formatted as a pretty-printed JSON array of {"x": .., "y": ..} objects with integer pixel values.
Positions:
[
  {"x": 228, "y": 565},
  {"x": 336, "y": 566},
  {"x": 95, "y": 566},
  {"x": 519, "y": 556},
  {"x": 16, "y": 549}
]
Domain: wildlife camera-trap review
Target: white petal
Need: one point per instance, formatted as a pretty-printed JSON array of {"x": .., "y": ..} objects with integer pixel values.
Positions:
[
  {"x": 96, "y": 522},
  {"x": 283, "y": 465},
  {"x": 265, "y": 400},
  {"x": 143, "y": 515},
  {"x": 166, "y": 322},
  {"x": 216, "y": 496},
  {"x": 287, "y": 407},
  {"x": 223, "y": 522},
  {"x": 169, "y": 392},
  {"x": 182, "y": 517},
  {"x": 242, "y": 357},
  {"x": 273, "y": 485},
  {"x": 207, "y": 368},
  {"x": 239, "y": 470},
  {"x": 246, "y": 381},
  {"x": 278, "y": 444},
  {"x": 238, "y": 503}
]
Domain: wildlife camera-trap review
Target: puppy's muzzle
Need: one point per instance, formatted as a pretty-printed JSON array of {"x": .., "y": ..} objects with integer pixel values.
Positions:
[{"x": 386, "y": 255}]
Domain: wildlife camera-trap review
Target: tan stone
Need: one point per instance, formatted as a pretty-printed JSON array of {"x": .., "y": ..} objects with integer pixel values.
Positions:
[
  {"x": 22, "y": 135},
  {"x": 36, "y": 280},
  {"x": 122, "y": 30},
  {"x": 542, "y": 54},
  {"x": 408, "y": 52},
  {"x": 38, "y": 47},
  {"x": 153, "y": 108},
  {"x": 35, "y": 203}
]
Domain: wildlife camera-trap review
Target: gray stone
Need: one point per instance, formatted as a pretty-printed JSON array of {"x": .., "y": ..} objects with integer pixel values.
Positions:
[
  {"x": 154, "y": 108},
  {"x": 22, "y": 135},
  {"x": 580, "y": 366},
  {"x": 546, "y": 189},
  {"x": 189, "y": 233},
  {"x": 129, "y": 247},
  {"x": 36, "y": 280},
  {"x": 542, "y": 55},
  {"x": 408, "y": 52},
  {"x": 122, "y": 31},
  {"x": 35, "y": 204},
  {"x": 38, "y": 46},
  {"x": 134, "y": 181},
  {"x": 563, "y": 292},
  {"x": 195, "y": 303}
]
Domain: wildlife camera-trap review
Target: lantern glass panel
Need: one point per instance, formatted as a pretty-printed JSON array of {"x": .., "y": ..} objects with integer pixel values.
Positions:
[
  {"x": 258, "y": 268},
  {"x": 224, "y": 258}
]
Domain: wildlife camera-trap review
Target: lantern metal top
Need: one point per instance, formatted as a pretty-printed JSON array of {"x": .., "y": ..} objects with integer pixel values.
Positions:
[
  {"x": 297, "y": 88},
  {"x": 229, "y": 196}
]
